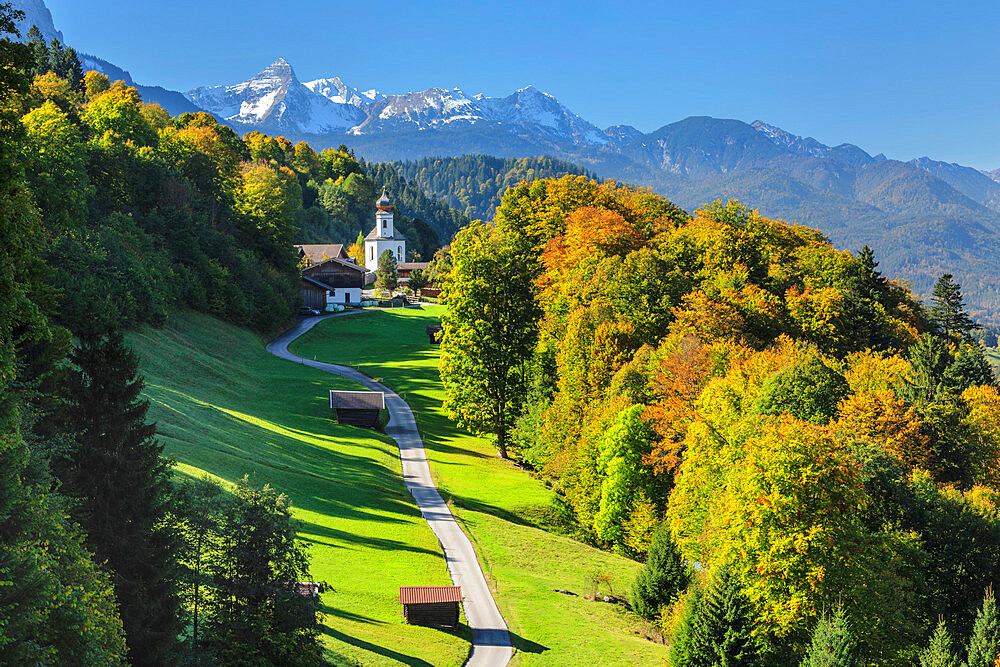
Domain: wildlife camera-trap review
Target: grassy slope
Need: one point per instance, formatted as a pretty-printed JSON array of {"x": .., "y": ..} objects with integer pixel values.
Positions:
[
  {"x": 497, "y": 503},
  {"x": 226, "y": 407}
]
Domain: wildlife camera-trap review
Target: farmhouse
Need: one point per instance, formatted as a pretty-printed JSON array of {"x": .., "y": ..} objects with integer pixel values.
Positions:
[
  {"x": 383, "y": 236},
  {"x": 404, "y": 269},
  {"x": 436, "y": 606},
  {"x": 357, "y": 408},
  {"x": 333, "y": 280}
]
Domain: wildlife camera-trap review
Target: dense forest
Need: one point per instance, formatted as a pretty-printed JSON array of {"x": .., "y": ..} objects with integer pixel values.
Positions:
[
  {"x": 474, "y": 183},
  {"x": 795, "y": 445}
]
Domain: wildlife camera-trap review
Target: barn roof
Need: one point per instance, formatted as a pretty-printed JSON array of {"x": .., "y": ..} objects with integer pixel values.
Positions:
[
  {"x": 334, "y": 260},
  {"x": 403, "y": 266},
  {"x": 357, "y": 400},
  {"x": 317, "y": 252},
  {"x": 429, "y": 594}
]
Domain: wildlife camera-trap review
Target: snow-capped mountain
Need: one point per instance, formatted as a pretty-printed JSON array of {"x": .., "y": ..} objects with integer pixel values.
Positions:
[
  {"x": 337, "y": 91},
  {"x": 275, "y": 100}
]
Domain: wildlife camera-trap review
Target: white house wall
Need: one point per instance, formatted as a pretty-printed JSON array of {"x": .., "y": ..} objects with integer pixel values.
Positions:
[
  {"x": 345, "y": 295},
  {"x": 398, "y": 248}
]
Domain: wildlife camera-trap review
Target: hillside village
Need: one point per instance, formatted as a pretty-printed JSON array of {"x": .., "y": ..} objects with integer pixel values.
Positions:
[{"x": 332, "y": 279}]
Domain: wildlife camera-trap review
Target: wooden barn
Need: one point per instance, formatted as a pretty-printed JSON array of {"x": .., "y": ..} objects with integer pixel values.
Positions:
[
  {"x": 357, "y": 408},
  {"x": 435, "y": 606},
  {"x": 332, "y": 280}
]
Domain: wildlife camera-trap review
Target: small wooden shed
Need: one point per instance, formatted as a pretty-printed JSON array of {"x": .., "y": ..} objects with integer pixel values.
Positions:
[
  {"x": 434, "y": 606},
  {"x": 357, "y": 408}
]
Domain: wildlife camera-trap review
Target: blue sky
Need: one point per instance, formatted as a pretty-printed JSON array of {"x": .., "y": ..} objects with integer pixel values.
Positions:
[{"x": 903, "y": 78}]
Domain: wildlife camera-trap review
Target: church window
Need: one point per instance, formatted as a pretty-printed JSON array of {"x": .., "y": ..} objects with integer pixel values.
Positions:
[
  {"x": 384, "y": 224},
  {"x": 399, "y": 253}
]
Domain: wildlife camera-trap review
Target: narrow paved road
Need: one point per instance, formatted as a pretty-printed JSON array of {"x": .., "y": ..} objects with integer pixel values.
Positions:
[{"x": 491, "y": 645}]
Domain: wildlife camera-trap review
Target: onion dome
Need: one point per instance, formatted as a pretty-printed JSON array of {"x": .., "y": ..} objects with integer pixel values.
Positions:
[{"x": 384, "y": 203}]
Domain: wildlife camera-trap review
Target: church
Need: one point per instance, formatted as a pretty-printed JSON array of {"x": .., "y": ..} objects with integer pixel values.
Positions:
[{"x": 383, "y": 236}]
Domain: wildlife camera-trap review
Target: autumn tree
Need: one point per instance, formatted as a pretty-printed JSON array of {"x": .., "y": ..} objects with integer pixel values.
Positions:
[{"x": 489, "y": 331}]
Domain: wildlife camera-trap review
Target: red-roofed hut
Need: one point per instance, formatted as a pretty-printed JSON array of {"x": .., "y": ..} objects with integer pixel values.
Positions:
[{"x": 434, "y": 606}]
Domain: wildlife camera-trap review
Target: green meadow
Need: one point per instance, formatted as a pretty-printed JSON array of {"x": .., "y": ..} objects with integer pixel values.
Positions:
[
  {"x": 225, "y": 407},
  {"x": 510, "y": 515}
]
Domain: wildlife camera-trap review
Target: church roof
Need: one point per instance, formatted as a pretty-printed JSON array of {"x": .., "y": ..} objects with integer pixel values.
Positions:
[
  {"x": 373, "y": 236},
  {"x": 383, "y": 202}
]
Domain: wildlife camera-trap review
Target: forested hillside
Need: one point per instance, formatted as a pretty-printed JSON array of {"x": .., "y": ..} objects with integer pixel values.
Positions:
[
  {"x": 475, "y": 183},
  {"x": 113, "y": 214},
  {"x": 778, "y": 427}
]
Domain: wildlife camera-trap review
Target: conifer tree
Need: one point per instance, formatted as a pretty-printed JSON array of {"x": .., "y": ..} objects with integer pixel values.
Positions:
[
  {"x": 948, "y": 311},
  {"x": 680, "y": 643},
  {"x": 120, "y": 481},
  {"x": 664, "y": 576},
  {"x": 939, "y": 652},
  {"x": 720, "y": 633},
  {"x": 39, "y": 51},
  {"x": 984, "y": 645},
  {"x": 386, "y": 276},
  {"x": 929, "y": 361},
  {"x": 832, "y": 643},
  {"x": 869, "y": 278}
]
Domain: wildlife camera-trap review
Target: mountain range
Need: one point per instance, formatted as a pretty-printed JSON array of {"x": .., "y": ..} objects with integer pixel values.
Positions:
[{"x": 923, "y": 216}]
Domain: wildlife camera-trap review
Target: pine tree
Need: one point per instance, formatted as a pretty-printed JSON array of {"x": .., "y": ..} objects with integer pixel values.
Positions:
[
  {"x": 121, "y": 484},
  {"x": 386, "y": 276},
  {"x": 869, "y": 278},
  {"x": 664, "y": 576},
  {"x": 929, "y": 361},
  {"x": 939, "y": 652},
  {"x": 948, "y": 311},
  {"x": 39, "y": 51},
  {"x": 984, "y": 645},
  {"x": 721, "y": 630},
  {"x": 832, "y": 643},
  {"x": 72, "y": 69},
  {"x": 680, "y": 643}
]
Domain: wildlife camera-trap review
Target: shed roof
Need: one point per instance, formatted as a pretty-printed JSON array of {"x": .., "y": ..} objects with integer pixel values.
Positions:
[
  {"x": 357, "y": 400},
  {"x": 429, "y": 594},
  {"x": 403, "y": 266}
]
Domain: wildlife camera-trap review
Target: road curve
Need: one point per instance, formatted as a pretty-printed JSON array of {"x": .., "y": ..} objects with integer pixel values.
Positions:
[{"x": 491, "y": 645}]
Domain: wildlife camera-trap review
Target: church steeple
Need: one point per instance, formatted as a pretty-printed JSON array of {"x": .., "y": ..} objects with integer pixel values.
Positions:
[{"x": 383, "y": 203}]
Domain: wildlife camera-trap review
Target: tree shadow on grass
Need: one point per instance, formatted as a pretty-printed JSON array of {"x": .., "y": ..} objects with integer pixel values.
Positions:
[
  {"x": 307, "y": 529},
  {"x": 525, "y": 645}
]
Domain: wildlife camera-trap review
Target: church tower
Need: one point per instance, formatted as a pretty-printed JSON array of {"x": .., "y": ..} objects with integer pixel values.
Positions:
[{"x": 383, "y": 236}]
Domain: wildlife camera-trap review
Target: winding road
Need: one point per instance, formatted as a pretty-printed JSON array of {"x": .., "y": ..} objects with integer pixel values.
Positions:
[{"x": 491, "y": 645}]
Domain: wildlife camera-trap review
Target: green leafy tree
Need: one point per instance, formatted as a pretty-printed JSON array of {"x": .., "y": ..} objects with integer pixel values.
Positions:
[
  {"x": 810, "y": 391},
  {"x": 489, "y": 331},
  {"x": 620, "y": 452},
  {"x": 948, "y": 310},
  {"x": 662, "y": 579},
  {"x": 386, "y": 276},
  {"x": 56, "y": 160},
  {"x": 833, "y": 643},
  {"x": 939, "y": 653},
  {"x": 255, "y": 614},
  {"x": 984, "y": 645},
  {"x": 417, "y": 281},
  {"x": 121, "y": 482}
]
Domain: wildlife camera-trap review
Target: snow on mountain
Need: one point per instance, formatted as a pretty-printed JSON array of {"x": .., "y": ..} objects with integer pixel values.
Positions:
[
  {"x": 36, "y": 13},
  {"x": 532, "y": 108},
  {"x": 275, "y": 100},
  {"x": 335, "y": 90},
  {"x": 622, "y": 134}
]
